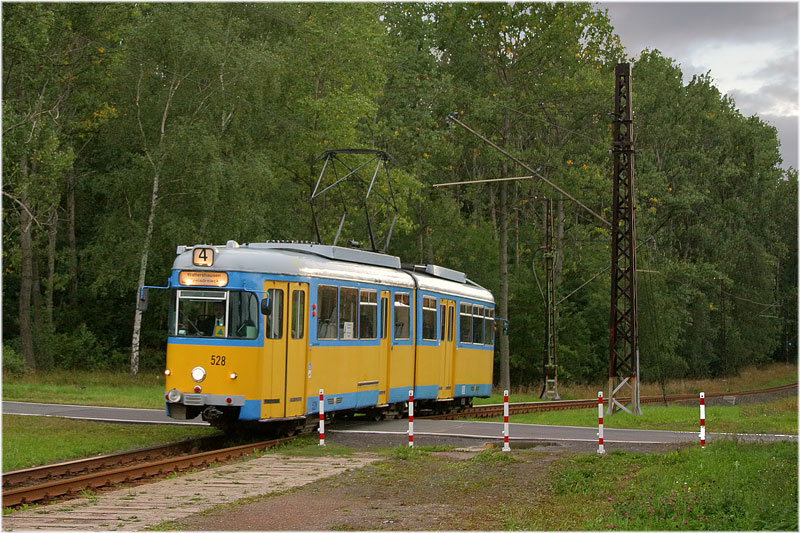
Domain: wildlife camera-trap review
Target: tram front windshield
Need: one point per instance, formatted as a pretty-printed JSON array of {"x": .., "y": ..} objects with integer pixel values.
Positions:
[{"x": 214, "y": 314}]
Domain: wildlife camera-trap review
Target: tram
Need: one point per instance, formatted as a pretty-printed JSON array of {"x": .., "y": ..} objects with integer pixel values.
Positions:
[{"x": 256, "y": 330}]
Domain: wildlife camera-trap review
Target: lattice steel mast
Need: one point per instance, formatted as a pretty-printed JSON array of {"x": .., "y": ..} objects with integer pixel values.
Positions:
[
  {"x": 623, "y": 363},
  {"x": 550, "y": 389}
]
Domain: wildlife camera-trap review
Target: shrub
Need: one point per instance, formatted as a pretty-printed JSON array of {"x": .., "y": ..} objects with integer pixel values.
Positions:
[
  {"x": 77, "y": 350},
  {"x": 13, "y": 362}
]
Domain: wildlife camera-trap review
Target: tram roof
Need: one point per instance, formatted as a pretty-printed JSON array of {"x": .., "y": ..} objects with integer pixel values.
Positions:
[{"x": 328, "y": 262}]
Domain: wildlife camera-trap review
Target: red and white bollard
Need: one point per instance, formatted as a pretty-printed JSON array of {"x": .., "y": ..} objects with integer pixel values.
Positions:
[
  {"x": 321, "y": 417},
  {"x": 411, "y": 418},
  {"x": 600, "y": 448},
  {"x": 703, "y": 420},
  {"x": 506, "y": 446}
]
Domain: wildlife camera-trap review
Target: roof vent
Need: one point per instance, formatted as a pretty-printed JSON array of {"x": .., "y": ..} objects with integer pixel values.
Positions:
[{"x": 232, "y": 244}]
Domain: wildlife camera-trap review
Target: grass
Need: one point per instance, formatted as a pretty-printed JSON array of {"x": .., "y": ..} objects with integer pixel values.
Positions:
[
  {"x": 307, "y": 446},
  {"x": 719, "y": 488},
  {"x": 776, "y": 417},
  {"x": 25, "y": 441},
  {"x": 111, "y": 389}
]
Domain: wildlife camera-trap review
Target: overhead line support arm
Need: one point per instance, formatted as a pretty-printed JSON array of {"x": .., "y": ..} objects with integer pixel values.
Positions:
[{"x": 452, "y": 117}]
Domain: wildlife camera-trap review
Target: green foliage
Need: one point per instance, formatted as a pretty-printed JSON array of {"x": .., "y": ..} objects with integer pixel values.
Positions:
[
  {"x": 717, "y": 488},
  {"x": 80, "y": 349},
  {"x": 229, "y": 105},
  {"x": 13, "y": 363},
  {"x": 408, "y": 453}
]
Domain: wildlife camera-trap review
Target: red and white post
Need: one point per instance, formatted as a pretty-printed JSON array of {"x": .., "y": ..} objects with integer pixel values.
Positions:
[
  {"x": 703, "y": 420},
  {"x": 321, "y": 417},
  {"x": 600, "y": 448},
  {"x": 411, "y": 418},
  {"x": 506, "y": 446}
]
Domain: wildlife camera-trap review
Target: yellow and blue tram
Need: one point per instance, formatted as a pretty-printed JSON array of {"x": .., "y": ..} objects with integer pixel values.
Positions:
[{"x": 255, "y": 330}]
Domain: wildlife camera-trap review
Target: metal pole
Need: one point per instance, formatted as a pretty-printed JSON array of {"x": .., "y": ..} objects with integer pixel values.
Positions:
[
  {"x": 623, "y": 362},
  {"x": 506, "y": 446}
]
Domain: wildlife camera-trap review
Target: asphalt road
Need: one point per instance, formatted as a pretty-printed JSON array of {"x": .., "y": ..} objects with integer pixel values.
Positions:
[
  {"x": 100, "y": 414},
  {"x": 444, "y": 428}
]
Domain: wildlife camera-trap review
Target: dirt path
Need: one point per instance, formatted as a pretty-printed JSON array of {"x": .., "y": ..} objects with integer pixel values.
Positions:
[{"x": 444, "y": 491}]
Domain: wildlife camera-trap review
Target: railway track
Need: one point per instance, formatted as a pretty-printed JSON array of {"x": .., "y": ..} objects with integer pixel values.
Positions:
[
  {"x": 492, "y": 410},
  {"x": 89, "y": 474},
  {"x": 51, "y": 481}
]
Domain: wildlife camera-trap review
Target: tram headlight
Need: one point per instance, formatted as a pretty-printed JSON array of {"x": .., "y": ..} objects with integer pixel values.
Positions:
[
  {"x": 174, "y": 395},
  {"x": 233, "y": 375},
  {"x": 198, "y": 374}
]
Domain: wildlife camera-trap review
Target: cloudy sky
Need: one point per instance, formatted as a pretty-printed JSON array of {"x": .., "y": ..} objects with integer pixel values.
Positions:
[{"x": 750, "y": 48}]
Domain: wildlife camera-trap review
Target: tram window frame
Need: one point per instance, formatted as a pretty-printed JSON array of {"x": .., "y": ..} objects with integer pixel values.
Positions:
[
  {"x": 298, "y": 313},
  {"x": 465, "y": 323},
  {"x": 429, "y": 318},
  {"x": 242, "y": 314},
  {"x": 348, "y": 308},
  {"x": 196, "y": 296},
  {"x": 451, "y": 311},
  {"x": 327, "y": 317},
  {"x": 367, "y": 314},
  {"x": 274, "y": 318},
  {"x": 384, "y": 316},
  {"x": 477, "y": 324},
  {"x": 488, "y": 327},
  {"x": 402, "y": 316},
  {"x": 442, "y": 320}
]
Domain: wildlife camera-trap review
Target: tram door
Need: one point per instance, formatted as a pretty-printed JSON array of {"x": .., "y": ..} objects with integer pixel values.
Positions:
[
  {"x": 284, "y": 356},
  {"x": 448, "y": 346},
  {"x": 385, "y": 348}
]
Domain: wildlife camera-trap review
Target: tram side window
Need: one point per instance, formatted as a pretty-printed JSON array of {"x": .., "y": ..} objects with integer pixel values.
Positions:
[
  {"x": 442, "y": 321},
  {"x": 298, "y": 314},
  {"x": 327, "y": 320},
  {"x": 402, "y": 316},
  {"x": 488, "y": 327},
  {"x": 465, "y": 323},
  {"x": 450, "y": 312},
  {"x": 428, "y": 318},
  {"x": 384, "y": 315},
  {"x": 348, "y": 320},
  {"x": 367, "y": 314},
  {"x": 244, "y": 315},
  {"x": 275, "y": 316},
  {"x": 477, "y": 324}
]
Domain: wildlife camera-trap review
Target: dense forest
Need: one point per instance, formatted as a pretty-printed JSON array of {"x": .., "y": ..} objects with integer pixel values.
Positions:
[{"x": 129, "y": 129}]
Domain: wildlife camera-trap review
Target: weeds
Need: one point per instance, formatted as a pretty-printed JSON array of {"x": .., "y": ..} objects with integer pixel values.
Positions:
[{"x": 719, "y": 488}]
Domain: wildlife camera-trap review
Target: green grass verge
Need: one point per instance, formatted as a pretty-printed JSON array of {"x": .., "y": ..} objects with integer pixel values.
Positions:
[
  {"x": 111, "y": 389},
  {"x": 728, "y": 486},
  {"x": 36, "y": 440},
  {"x": 776, "y": 417},
  {"x": 308, "y": 446}
]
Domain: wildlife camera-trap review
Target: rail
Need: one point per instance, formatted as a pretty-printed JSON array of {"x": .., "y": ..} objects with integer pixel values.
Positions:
[{"x": 102, "y": 478}]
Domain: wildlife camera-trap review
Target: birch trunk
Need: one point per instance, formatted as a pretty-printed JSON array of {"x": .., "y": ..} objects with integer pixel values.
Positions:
[{"x": 157, "y": 164}]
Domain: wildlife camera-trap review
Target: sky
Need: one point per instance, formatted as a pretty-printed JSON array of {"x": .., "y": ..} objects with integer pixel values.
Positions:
[{"x": 750, "y": 49}]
